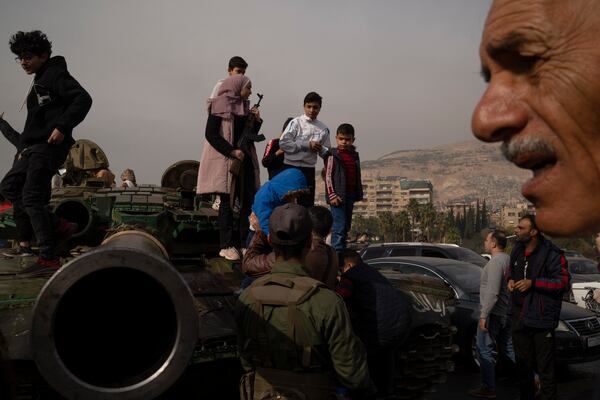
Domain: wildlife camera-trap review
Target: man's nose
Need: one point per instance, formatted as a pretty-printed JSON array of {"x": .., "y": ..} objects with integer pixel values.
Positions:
[{"x": 499, "y": 114}]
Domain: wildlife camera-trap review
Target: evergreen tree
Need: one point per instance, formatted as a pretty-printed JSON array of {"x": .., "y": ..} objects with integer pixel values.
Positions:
[
  {"x": 477, "y": 218},
  {"x": 469, "y": 223},
  {"x": 485, "y": 219}
]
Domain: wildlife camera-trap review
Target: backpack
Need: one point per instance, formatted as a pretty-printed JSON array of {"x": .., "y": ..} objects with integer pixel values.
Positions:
[{"x": 297, "y": 382}]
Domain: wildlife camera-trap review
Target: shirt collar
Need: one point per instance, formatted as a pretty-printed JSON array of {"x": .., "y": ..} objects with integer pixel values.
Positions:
[
  {"x": 287, "y": 267},
  {"x": 306, "y": 118}
]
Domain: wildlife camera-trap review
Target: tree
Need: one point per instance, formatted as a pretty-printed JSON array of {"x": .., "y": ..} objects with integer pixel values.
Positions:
[
  {"x": 428, "y": 220},
  {"x": 469, "y": 223},
  {"x": 477, "y": 224},
  {"x": 414, "y": 211},
  {"x": 403, "y": 222},
  {"x": 370, "y": 225},
  {"x": 485, "y": 218}
]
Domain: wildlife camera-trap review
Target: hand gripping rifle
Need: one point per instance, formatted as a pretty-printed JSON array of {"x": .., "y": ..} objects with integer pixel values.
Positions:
[{"x": 248, "y": 134}]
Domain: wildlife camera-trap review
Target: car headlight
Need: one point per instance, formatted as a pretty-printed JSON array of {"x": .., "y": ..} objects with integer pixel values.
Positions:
[{"x": 562, "y": 327}]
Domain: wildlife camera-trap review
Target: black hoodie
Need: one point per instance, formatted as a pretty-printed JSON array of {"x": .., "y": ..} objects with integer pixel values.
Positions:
[{"x": 56, "y": 100}]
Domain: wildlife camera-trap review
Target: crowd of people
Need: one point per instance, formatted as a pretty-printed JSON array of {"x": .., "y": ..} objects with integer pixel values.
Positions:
[
  {"x": 229, "y": 167},
  {"x": 297, "y": 337}
]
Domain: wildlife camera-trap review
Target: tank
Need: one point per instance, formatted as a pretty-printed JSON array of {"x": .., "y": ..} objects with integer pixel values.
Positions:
[{"x": 143, "y": 308}]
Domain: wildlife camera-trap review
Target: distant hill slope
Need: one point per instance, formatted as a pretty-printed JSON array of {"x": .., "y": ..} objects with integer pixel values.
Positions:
[{"x": 458, "y": 171}]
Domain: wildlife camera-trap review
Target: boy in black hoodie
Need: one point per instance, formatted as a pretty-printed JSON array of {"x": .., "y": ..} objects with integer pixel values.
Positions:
[{"x": 56, "y": 103}]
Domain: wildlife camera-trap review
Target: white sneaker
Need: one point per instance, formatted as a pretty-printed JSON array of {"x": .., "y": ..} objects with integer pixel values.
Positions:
[
  {"x": 230, "y": 253},
  {"x": 217, "y": 204}
]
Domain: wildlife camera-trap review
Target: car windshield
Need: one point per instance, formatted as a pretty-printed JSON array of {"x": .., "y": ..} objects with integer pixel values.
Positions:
[
  {"x": 583, "y": 267},
  {"x": 466, "y": 276},
  {"x": 470, "y": 256}
]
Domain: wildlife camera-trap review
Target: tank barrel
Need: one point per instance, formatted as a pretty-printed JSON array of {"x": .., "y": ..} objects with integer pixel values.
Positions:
[{"x": 116, "y": 323}]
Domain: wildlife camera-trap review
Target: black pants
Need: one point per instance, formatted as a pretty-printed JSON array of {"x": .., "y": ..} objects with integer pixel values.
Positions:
[
  {"x": 307, "y": 200},
  {"x": 382, "y": 367},
  {"x": 28, "y": 186},
  {"x": 227, "y": 228},
  {"x": 534, "y": 351}
]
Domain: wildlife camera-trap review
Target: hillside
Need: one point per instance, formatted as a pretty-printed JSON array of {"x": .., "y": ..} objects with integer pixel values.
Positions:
[{"x": 458, "y": 171}]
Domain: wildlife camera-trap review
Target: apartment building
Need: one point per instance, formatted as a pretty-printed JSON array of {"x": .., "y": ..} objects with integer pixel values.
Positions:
[{"x": 391, "y": 193}]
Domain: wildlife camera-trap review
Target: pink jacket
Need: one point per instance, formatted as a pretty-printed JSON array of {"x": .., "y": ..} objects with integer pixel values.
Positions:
[{"x": 213, "y": 174}]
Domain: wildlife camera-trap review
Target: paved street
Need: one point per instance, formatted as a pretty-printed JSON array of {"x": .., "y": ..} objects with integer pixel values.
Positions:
[{"x": 576, "y": 382}]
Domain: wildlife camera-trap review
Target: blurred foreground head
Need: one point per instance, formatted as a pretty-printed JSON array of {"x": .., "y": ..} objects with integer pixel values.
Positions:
[{"x": 541, "y": 60}]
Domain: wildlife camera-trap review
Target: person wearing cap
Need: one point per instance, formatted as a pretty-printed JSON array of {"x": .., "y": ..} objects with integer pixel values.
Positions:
[{"x": 294, "y": 334}]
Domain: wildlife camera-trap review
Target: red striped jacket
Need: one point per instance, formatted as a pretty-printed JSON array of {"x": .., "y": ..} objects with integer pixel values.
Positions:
[{"x": 549, "y": 280}]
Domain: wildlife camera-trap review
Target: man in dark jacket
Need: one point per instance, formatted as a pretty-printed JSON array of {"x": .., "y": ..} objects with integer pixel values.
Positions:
[
  {"x": 380, "y": 316},
  {"x": 538, "y": 276},
  {"x": 56, "y": 103}
]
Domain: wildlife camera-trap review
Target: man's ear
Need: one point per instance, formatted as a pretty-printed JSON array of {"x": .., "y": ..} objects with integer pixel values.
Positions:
[
  {"x": 533, "y": 232},
  {"x": 44, "y": 57},
  {"x": 269, "y": 240}
]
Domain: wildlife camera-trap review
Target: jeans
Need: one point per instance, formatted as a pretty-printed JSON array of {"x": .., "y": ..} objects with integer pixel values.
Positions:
[
  {"x": 498, "y": 335},
  {"x": 28, "y": 186},
  {"x": 342, "y": 221}
]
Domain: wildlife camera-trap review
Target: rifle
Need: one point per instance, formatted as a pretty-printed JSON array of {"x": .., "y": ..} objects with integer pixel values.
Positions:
[{"x": 248, "y": 134}]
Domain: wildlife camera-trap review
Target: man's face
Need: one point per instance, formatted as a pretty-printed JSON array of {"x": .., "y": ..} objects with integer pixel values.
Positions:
[
  {"x": 312, "y": 110},
  {"x": 542, "y": 61},
  {"x": 343, "y": 140},
  {"x": 236, "y": 71},
  {"x": 524, "y": 231},
  {"x": 488, "y": 243},
  {"x": 32, "y": 63},
  {"x": 598, "y": 242}
]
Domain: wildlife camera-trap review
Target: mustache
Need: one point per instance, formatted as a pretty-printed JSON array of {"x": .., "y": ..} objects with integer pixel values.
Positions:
[{"x": 518, "y": 146}]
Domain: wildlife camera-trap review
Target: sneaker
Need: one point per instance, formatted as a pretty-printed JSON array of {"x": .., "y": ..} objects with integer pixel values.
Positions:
[
  {"x": 18, "y": 252},
  {"x": 482, "y": 393},
  {"x": 217, "y": 203},
  {"x": 230, "y": 253},
  {"x": 42, "y": 267}
]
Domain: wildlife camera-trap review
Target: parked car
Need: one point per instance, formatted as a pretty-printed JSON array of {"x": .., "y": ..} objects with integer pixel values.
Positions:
[
  {"x": 571, "y": 253},
  {"x": 417, "y": 249},
  {"x": 585, "y": 283},
  {"x": 577, "y": 334}
]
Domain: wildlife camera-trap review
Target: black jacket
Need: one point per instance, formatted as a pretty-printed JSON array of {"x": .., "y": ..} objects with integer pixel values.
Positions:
[
  {"x": 271, "y": 161},
  {"x": 549, "y": 279},
  {"x": 56, "y": 101},
  {"x": 380, "y": 313}
]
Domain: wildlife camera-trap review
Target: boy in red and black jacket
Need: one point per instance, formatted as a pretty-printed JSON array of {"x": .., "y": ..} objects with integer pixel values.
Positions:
[{"x": 343, "y": 184}]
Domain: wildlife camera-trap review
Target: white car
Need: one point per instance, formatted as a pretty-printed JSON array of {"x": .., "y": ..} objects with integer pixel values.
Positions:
[{"x": 585, "y": 283}]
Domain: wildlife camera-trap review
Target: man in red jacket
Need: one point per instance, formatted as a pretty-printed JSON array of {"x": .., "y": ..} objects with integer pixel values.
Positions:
[{"x": 538, "y": 277}]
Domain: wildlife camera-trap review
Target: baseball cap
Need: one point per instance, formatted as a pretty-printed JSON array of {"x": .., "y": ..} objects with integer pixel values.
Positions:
[{"x": 289, "y": 224}]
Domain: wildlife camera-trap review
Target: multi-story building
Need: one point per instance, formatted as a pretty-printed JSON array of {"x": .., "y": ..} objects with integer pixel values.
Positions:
[
  {"x": 391, "y": 193},
  {"x": 509, "y": 214}
]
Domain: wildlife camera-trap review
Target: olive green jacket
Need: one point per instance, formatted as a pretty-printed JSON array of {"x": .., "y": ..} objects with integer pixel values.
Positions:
[{"x": 332, "y": 331}]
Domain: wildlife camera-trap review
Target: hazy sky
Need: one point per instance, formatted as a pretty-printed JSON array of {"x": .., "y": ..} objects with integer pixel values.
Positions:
[{"x": 404, "y": 73}]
